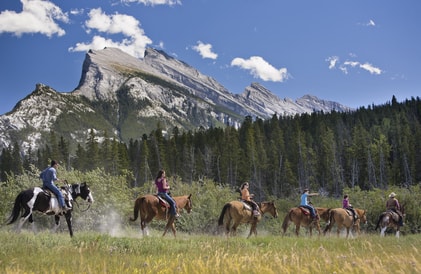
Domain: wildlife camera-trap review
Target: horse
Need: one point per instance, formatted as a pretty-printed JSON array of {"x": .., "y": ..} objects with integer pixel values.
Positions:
[
  {"x": 343, "y": 218},
  {"x": 149, "y": 206},
  {"x": 390, "y": 219},
  {"x": 37, "y": 199},
  {"x": 301, "y": 217},
  {"x": 235, "y": 213}
]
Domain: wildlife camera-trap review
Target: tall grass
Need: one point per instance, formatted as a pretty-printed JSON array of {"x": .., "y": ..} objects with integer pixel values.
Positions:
[{"x": 92, "y": 252}]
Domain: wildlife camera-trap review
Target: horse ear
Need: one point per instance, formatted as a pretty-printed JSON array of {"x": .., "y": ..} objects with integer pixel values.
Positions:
[{"x": 190, "y": 196}]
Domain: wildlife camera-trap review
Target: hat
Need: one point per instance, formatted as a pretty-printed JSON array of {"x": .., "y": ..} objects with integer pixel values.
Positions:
[{"x": 392, "y": 195}]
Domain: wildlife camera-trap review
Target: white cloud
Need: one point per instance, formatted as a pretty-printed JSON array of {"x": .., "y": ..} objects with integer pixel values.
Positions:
[
  {"x": 334, "y": 60},
  {"x": 370, "y": 68},
  {"x": 371, "y": 23},
  {"x": 135, "y": 43},
  {"x": 351, "y": 63},
  {"x": 205, "y": 50},
  {"x": 37, "y": 16},
  {"x": 259, "y": 68},
  {"x": 154, "y": 2}
]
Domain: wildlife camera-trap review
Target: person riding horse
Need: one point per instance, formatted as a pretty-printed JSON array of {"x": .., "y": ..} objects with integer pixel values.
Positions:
[
  {"x": 346, "y": 205},
  {"x": 393, "y": 205},
  {"x": 163, "y": 191},
  {"x": 48, "y": 177},
  {"x": 305, "y": 203},
  {"x": 247, "y": 197}
]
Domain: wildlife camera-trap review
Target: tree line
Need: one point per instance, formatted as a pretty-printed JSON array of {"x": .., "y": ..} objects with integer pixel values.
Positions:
[{"x": 374, "y": 147}]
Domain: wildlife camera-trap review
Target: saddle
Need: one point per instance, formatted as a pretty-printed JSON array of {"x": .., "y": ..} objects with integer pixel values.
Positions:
[
  {"x": 50, "y": 194},
  {"x": 395, "y": 216},
  {"x": 304, "y": 210},
  {"x": 349, "y": 212},
  {"x": 162, "y": 201},
  {"x": 246, "y": 205}
]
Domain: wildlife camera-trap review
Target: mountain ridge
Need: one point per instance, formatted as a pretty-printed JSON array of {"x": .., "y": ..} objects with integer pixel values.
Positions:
[{"x": 127, "y": 97}]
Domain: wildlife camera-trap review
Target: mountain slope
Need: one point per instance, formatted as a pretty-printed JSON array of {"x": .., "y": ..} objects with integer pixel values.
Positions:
[{"x": 127, "y": 97}]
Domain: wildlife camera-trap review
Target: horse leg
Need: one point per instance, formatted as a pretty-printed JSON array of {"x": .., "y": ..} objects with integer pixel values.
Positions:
[
  {"x": 143, "y": 227},
  {"x": 170, "y": 223},
  {"x": 234, "y": 229},
  {"x": 382, "y": 231},
  {"x": 68, "y": 216},
  {"x": 56, "y": 223},
  {"x": 173, "y": 229},
  {"x": 228, "y": 227},
  {"x": 25, "y": 216},
  {"x": 297, "y": 230},
  {"x": 252, "y": 230},
  {"x": 318, "y": 228},
  {"x": 397, "y": 233}
]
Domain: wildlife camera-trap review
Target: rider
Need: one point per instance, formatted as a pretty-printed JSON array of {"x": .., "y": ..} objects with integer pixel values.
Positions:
[
  {"x": 163, "y": 191},
  {"x": 306, "y": 204},
  {"x": 393, "y": 205},
  {"x": 49, "y": 176},
  {"x": 348, "y": 206},
  {"x": 247, "y": 197}
]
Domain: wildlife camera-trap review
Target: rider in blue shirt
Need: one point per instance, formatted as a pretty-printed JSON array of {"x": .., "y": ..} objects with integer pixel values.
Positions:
[
  {"x": 49, "y": 176},
  {"x": 306, "y": 204}
]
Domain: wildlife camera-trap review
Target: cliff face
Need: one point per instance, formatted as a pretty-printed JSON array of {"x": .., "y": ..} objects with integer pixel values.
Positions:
[{"x": 127, "y": 97}]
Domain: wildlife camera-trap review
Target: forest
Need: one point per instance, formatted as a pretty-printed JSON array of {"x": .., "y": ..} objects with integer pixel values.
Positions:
[{"x": 373, "y": 147}]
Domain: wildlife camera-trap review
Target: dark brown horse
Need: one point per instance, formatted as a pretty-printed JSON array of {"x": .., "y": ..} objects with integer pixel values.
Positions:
[
  {"x": 389, "y": 219},
  {"x": 343, "y": 219},
  {"x": 301, "y": 217},
  {"x": 235, "y": 213},
  {"x": 150, "y": 207}
]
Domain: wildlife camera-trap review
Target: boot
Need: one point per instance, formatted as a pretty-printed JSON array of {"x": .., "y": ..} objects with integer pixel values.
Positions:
[{"x": 65, "y": 208}]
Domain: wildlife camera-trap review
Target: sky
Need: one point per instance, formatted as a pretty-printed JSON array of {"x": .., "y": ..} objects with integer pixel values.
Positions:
[{"x": 355, "y": 52}]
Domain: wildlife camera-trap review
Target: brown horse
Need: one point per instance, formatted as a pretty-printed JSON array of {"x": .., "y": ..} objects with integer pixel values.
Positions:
[
  {"x": 149, "y": 207},
  {"x": 342, "y": 219},
  {"x": 303, "y": 218},
  {"x": 235, "y": 213},
  {"x": 390, "y": 219}
]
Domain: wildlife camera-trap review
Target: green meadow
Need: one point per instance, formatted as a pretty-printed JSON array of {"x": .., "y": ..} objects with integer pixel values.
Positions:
[{"x": 92, "y": 252}]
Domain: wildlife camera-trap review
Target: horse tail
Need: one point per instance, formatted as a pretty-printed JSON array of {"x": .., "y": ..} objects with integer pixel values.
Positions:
[
  {"x": 330, "y": 221},
  {"x": 16, "y": 209},
  {"x": 286, "y": 221},
  {"x": 136, "y": 208},
  {"x": 221, "y": 217}
]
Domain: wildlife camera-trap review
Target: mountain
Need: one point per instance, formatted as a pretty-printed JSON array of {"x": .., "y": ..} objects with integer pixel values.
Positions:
[{"x": 126, "y": 97}]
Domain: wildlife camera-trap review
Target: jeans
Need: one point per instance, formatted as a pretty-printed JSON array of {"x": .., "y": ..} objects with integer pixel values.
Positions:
[
  {"x": 312, "y": 210},
  {"x": 56, "y": 191},
  {"x": 170, "y": 200}
]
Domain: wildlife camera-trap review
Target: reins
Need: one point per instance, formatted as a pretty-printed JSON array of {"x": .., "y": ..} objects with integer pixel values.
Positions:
[{"x": 89, "y": 206}]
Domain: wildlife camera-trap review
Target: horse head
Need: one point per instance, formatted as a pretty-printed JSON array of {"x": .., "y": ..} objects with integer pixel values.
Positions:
[
  {"x": 362, "y": 215},
  {"x": 83, "y": 191},
  {"x": 189, "y": 204},
  {"x": 269, "y": 207}
]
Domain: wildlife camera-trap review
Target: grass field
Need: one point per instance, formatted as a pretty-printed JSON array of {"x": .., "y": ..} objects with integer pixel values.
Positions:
[{"x": 91, "y": 252}]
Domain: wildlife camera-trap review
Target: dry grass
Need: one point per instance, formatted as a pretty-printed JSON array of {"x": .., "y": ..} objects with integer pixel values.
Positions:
[{"x": 99, "y": 253}]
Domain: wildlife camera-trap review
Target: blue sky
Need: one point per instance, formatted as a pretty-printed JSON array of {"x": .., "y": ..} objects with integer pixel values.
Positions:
[{"x": 356, "y": 52}]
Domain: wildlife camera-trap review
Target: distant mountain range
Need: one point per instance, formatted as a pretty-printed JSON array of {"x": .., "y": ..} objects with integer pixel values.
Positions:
[{"x": 126, "y": 97}]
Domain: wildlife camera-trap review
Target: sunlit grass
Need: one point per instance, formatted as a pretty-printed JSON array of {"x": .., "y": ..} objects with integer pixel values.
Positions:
[{"x": 90, "y": 252}]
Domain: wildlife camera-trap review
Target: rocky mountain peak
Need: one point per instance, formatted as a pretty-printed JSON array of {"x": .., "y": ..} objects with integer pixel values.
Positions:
[{"x": 127, "y": 96}]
